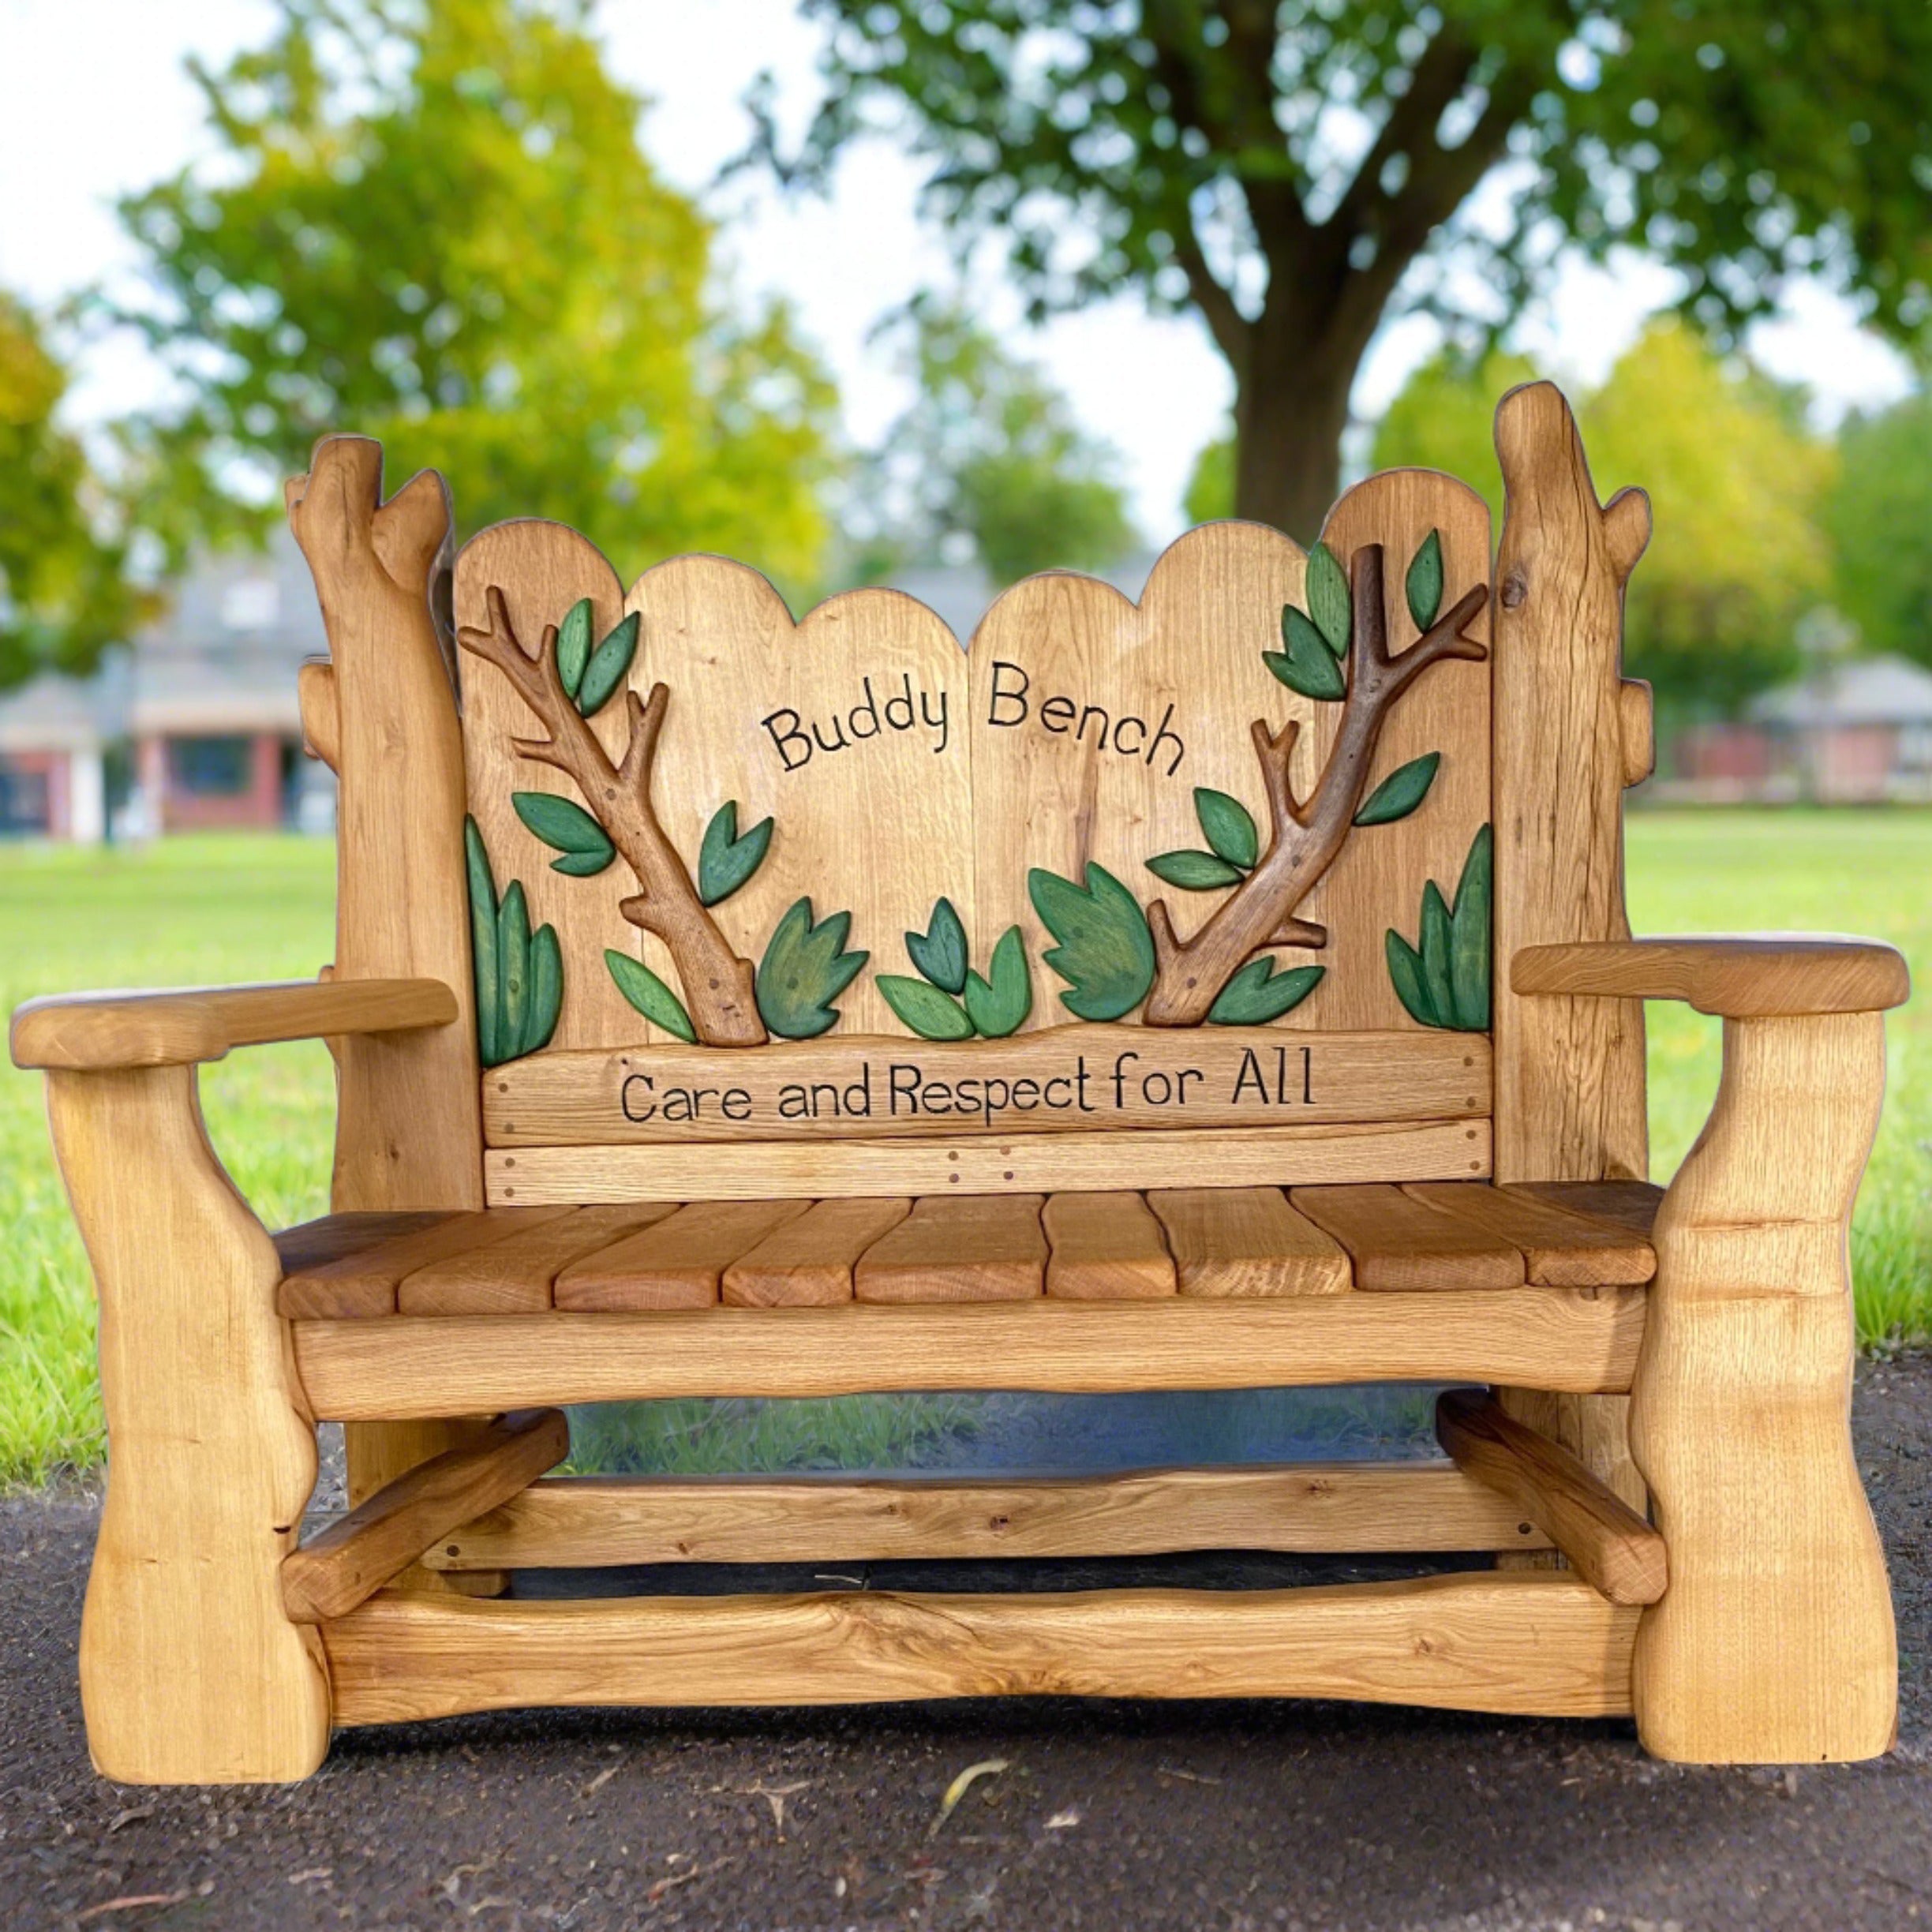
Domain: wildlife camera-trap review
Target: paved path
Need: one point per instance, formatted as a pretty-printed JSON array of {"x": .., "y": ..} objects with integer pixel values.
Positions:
[{"x": 1112, "y": 1816}]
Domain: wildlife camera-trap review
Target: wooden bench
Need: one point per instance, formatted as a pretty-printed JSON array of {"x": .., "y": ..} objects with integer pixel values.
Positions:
[{"x": 725, "y": 1007}]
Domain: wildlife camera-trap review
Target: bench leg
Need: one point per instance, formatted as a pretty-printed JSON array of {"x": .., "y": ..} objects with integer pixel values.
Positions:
[
  {"x": 190, "y": 1671},
  {"x": 1773, "y": 1642}
]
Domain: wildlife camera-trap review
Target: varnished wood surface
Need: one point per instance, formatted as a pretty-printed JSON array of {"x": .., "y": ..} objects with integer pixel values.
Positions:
[
  {"x": 362, "y": 1283},
  {"x": 1247, "y": 1241},
  {"x": 94, "y": 1031},
  {"x": 958, "y": 1248},
  {"x": 1740, "y": 976},
  {"x": 1607, "y": 1544},
  {"x": 807, "y": 1261},
  {"x": 1332, "y": 1507},
  {"x": 1560, "y": 1247},
  {"x": 677, "y": 1263},
  {"x": 361, "y": 1552},
  {"x": 515, "y": 1274},
  {"x": 1396, "y": 1241},
  {"x": 1525, "y": 1644},
  {"x": 1631, "y": 1204},
  {"x": 1577, "y": 1339},
  {"x": 1105, "y": 1247}
]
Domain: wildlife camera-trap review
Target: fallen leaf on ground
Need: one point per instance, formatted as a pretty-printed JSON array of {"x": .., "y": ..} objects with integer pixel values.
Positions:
[
  {"x": 315, "y": 1871},
  {"x": 1064, "y": 1821},
  {"x": 1191, "y": 1777},
  {"x": 128, "y": 1904},
  {"x": 663, "y": 1886},
  {"x": 132, "y": 1815},
  {"x": 987, "y": 1767},
  {"x": 602, "y": 1778}
]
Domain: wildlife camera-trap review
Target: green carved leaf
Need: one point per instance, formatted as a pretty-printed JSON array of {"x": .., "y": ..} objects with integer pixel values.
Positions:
[
  {"x": 1307, "y": 666},
  {"x": 650, "y": 994},
  {"x": 1194, "y": 871},
  {"x": 1425, "y": 581},
  {"x": 609, "y": 665},
  {"x": 997, "y": 1005},
  {"x": 573, "y": 646},
  {"x": 1468, "y": 946},
  {"x": 725, "y": 860},
  {"x": 546, "y": 990},
  {"x": 1106, "y": 953},
  {"x": 932, "y": 1014},
  {"x": 569, "y": 829},
  {"x": 1435, "y": 949},
  {"x": 1227, "y": 826},
  {"x": 482, "y": 939},
  {"x": 806, "y": 967},
  {"x": 1329, "y": 602},
  {"x": 940, "y": 952},
  {"x": 1400, "y": 792},
  {"x": 513, "y": 941},
  {"x": 1257, "y": 994},
  {"x": 1405, "y": 971}
]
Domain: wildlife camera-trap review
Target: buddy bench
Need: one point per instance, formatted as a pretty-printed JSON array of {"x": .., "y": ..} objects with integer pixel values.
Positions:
[{"x": 1230, "y": 989}]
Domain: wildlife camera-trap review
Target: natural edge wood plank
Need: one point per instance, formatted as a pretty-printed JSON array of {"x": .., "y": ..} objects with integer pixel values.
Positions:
[
  {"x": 677, "y": 1263},
  {"x": 315, "y": 1244},
  {"x": 1396, "y": 1241},
  {"x": 362, "y": 1283},
  {"x": 360, "y": 1552},
  {"x": 807, "y": 1261},
  {"x": 1584, "y": 1340},
  {"x": 1105, "y": 1247},
  {"x": 1534, "y": 1644},
  {"x": 1607, "y": 1542},
  {"x": 1318, "y": 1507},
  {"x": 515, "y": 1275},
  {"x": 1738, "y": 976},
  {"x": 1561, "y": 1248},
  {"x": 1240, "y": 1242},
  {"x": 1632, "y": 1204},
  {"x": 958, "y": 1248}
]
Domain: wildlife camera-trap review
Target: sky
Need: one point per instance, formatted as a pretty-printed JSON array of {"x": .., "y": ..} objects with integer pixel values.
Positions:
[{"x": 94, "y": 103}]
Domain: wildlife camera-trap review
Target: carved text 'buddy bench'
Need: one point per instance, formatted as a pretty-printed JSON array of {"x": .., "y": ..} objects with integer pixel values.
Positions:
[{"x": 1229, "y": 989}]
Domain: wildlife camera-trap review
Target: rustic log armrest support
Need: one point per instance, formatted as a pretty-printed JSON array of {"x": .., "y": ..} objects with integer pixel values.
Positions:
[
  {"x": 96, "y": 1032},
  {"x": 1773, "y": 1642}
]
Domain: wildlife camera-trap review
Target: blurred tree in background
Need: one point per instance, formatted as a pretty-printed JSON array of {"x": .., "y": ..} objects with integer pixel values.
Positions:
[
  {"x": 435, "y": 225},
  {"x": 989, "y": 454},
  {"x": 63, "y": 597},
  {"x": 1300, "y": 169},
  {"x": 1878, "y": 517}
]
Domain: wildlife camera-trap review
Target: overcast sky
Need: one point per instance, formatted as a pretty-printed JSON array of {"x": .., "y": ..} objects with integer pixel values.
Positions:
[{"x": 93, "y": 103}]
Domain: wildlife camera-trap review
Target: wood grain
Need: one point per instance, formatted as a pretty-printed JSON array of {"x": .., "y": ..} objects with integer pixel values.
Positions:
[
  {"x": 677, "y": 1263},
  {"x": 360, "y": 1552},
  {"x": 958, "y": 1248},
  {"x": 1531, "y": 1644},
  {"x": 808, "y": 1261},
  {"x": 311, "y": 1243},
  {"x": 1631, "y": 1204},
  {"x": 1584, "y": 1340},
  {"x": 1239, "y": 1242},
  {"x": 1396, "y": 1242},
  {"x": 1105, "y": 1247},
  {"x": 190, "y": 1673},
  {"x": 363, "y": 1281},
  {"x": 1607, "y": 1543},
  {"x": 514, "y": 1275},
  {"x": 1560, "y": 1248},
  {"x": 1319, "y": 1507},
  {"x": 1033, "y": 1163},
  {"x": 103, "y": 1030},
  {"x": 1740, "y": 976}
]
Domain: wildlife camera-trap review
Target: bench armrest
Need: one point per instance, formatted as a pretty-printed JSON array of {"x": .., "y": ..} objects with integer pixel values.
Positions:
[
  {"x": 1736, "y": 976},
  {"x": 93, "y": 1032}
]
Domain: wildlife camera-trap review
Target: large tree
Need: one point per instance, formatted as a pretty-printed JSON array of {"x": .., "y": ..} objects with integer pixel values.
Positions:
[
  {"x": 1879, "y": 516},
  {"x": 1297, "y": 169},
  {"x": 435, "y": 225}
]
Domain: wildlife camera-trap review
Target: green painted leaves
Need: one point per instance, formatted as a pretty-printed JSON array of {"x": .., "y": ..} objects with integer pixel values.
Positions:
[
  {"x": 1194, "y": 871},
  {"x": 993, "y": 1006},
  {"x": 569, "y": 828},
  {"x": 589, "y": 677},
  {"x": 1400, "y": 792},
  {"x": 1307, "y": 667},
  {"x": 1423, "y": 583},
  {"x": 1106, "y": 953},
  {"x": 518, "y": 974},
  {"x": 1329, "y": 602},
  {"x": 806, "y": 967},
  {"x": 1446, "y": 983},
  {"x": 1230, "y": 829},
  {"x": 725, "y": 860},
  {"x": 650, "y": 994},
  {"x": 1257, "y": 994}
]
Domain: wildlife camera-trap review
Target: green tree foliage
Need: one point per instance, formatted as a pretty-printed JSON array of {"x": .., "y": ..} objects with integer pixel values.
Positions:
[
  {"x": 1878, "y": 515},
  {"x": 1737, "y": 556},
  {"x": 990, "y": 451},
  {"x": 1295, "y": 170},
  {"x": 434, "y": 224},
  {"x": 63, "y": 594}
]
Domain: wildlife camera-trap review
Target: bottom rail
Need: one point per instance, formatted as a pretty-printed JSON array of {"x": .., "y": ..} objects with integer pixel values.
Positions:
[{"x": 1531, "y": 1643}]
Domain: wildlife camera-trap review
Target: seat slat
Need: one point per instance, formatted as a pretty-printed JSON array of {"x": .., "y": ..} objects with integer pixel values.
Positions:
[
  {"x": 1395, "y": 1241},
  {"x": 959, "y": 1248},
  {"x": 1106, "y": 1248},
  {"x": 1247, "y": 1241},
  {"x": 514, "y": 1276},
  {"x": 311, "y": 1243},
  {"x": 1561, "y": 1248},
  {"x": 362, "y": 1282},
  {"x": 677, "y": 1263},
  {"x": 808, "y": 1262},
  {"x": 1630, "y": 1203}
]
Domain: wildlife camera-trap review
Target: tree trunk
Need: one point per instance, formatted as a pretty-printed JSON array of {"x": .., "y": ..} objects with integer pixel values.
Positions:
[{"x": 1289, "y": 413}]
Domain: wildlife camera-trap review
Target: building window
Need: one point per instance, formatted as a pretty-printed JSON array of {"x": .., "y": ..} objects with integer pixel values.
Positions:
[
  {"x": 24, "y": 803},
  {"x": 210, "y": 767}
]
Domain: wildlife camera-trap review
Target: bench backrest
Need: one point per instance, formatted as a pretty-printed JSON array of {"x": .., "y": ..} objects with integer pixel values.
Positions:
[{"x": 1215, "y": 887}]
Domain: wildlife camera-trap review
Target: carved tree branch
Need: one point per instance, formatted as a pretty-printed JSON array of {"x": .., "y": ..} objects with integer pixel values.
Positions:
[
  {"x": 1305, "y": 836},
  {"x": 718, "y": 985}
]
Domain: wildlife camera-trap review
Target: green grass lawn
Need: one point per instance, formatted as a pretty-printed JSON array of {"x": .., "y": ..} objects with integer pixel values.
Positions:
[{"x": 216, "y": 910}]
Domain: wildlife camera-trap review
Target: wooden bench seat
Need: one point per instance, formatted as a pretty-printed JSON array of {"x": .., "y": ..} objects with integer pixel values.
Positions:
[{"x": 1193, "y": 1241}]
